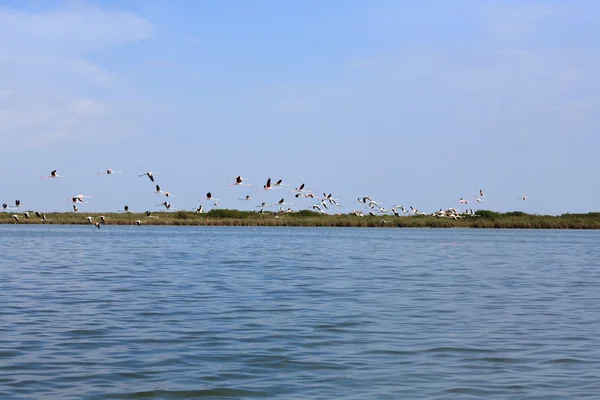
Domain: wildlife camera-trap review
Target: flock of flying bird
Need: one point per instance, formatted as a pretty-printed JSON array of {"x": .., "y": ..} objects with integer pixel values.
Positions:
[{"x": 323, "y": 204}]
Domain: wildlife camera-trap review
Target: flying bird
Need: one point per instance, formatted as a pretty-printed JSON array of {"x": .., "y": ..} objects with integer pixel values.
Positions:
[
  {"x": 280, "y": 184},
  {"x": 53, "y": 174},
  {"x": 268, "y": 185},
  {"x": 209, "y": 197},
  {"x": 110, "y": 172},
  {"x": 301, "y": 189},
  {"x": 150, "y": 175},
  {"x": 238, "y": 181}
]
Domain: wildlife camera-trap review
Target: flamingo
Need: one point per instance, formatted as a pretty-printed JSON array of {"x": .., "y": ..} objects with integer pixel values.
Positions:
[
  {"x": 167, "y": 205},
  {"x": 150, "y": 175},
  {"x": 238, "y": 181},
  {"x": 247, "y": 198},
  {"x": 282, "y": 202},
  {"x": 268, "y": 185},
  {"x": 110, "y": 172},
  {"x": 53, "y": 174},
  {"x": 316, "y": 207},
  {"x": 26, "y": 214},
  {"x": 200, "y": 210},
  {"x": 16, "y": 217},
  {"x": 17, "y": 203},
  {"x": 103, "y": 219},
  {"x": 79, "y": 198},
  {"x": 279, "y": 184},
  {"x": 263, "y": 204},
  {"x": 90, "y": 219},
  {"x": 209, "y": 197},
  {"x": 97, "y": 225},
  {"x": 75, "y": 209},
  {"x": 524, "y": 198},
  {"x": 126, "y": 209},
  {"x": 4, "y": 206},
  {"x": 165, "y": 193},
  {"x": 138, "y": 222},
  {"x": 301, "y": 189}
]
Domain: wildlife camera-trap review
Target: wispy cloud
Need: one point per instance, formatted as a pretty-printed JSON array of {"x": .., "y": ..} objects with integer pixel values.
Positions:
[
  {"x": 50, "y": 89},
  {"x": 516, "y": 21}
]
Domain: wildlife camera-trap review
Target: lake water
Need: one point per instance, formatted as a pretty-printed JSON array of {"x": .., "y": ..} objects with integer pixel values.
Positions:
[{"x": 298, "y": 313}]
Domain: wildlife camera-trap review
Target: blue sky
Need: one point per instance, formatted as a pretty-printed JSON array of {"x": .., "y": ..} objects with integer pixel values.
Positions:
[{"x": 415, "y": 104}]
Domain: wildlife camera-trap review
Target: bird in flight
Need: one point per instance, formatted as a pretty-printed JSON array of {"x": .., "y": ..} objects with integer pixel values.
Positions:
[
  {"x": 209, "y": 197},
  {"x": 268, "y": 185},
  {"x": 110, "y": 172},
  {"x": 239, "y": 181},
  {"x": 279, "y": 184},
  {"x": 301, "y": 189},
  {"x": 150, "y": 175},
  {"x": 53, "y": 174},
  {"x": 165, "y": 204}
]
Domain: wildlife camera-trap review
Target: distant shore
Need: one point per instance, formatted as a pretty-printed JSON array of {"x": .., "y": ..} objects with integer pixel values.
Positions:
[{"x": 306, "y": 218}]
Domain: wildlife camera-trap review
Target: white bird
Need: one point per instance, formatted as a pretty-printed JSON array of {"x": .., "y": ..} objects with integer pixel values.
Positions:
[
  {"x": 90, "y": 219},
  {"x": 53, "y": 174},
  {"x": 110, "y": 172},
  {"x": 279, "y": 183},
  {"x": 200, "y": 209},
  {"x": 138, "y": 222},
  {"x": 267, "y": 186},
  {"x": 150, "y": 175},
  {"x": 209, "y": 197},
  {"x": 163, "y": 193},
  {"x": 75, "y": 209},
  {"x": 165, "y": 204},
  {"x": 16, "y": 217},
  {"x": 282, "y": 202},
  {"x": 316, "y": 207},
  {"x": 97, "y": 225},
  {"x": 301, "y": 189},
  {"x": 26, "y": 214},
  {"x": 238, "y": 181}
]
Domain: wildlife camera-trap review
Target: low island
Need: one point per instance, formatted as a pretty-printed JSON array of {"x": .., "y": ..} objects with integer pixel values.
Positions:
[{"x": 307, "y": 218}]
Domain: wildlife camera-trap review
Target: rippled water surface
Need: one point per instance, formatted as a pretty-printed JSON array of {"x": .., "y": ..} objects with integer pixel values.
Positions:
[{"x": 301, "y": 313}]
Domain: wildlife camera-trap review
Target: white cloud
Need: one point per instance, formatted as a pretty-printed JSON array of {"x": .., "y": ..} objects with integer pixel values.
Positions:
[
  {"x": 49, "y": 88},
  {"x": 515, "y": 22}
]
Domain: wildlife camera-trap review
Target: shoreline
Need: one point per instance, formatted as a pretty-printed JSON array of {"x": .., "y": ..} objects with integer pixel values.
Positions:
[{"x": 221, "y": 217}]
